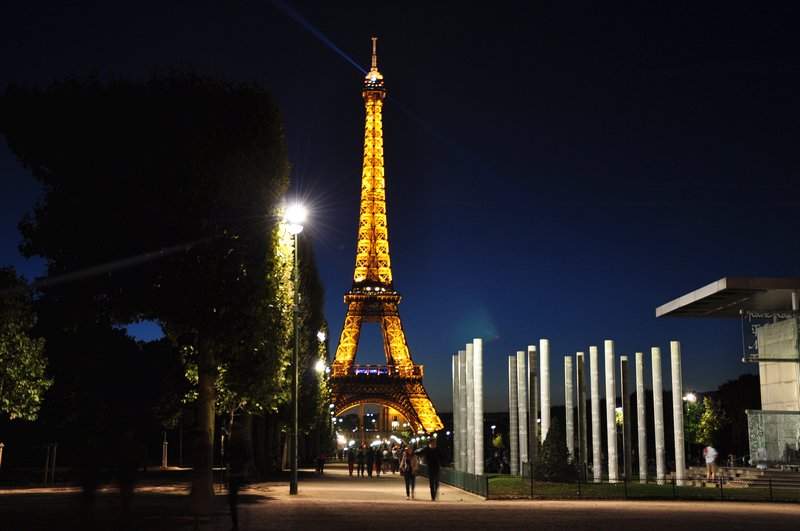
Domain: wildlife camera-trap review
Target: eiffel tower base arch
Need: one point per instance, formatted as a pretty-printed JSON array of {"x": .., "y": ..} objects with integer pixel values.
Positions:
[{"x": 406, "y": 395}]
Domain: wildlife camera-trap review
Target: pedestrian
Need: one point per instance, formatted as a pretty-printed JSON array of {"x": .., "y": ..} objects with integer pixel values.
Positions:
[
  {"x": 378, "y": 461},
  {"x": 351, "y": 460},
  {"x": 321, "y": 458},
  {"x": 396, "y": 455},
  {"x": 129, "y": 458},
  {"x": 361, "y": 459},
  {"x": 409, "y": 466},
  {"x": 237, "y": 468},
  {"x": 370, "y": 460},
  {"x": 710, "y": 455},
  {"x": 433, "y": 460}
]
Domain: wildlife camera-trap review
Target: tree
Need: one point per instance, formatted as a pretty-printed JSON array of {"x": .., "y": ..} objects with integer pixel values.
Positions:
[
  {"x": 692, "y": 413},
  {"x": 555, "y": 463},
  {"x": 735, "y": 397},
  {"x": 23, "y": 378},
  {"x": 497, "y": 442},
  {"x": 711, "y": 421},
  {"x": 161, "y": 203}
]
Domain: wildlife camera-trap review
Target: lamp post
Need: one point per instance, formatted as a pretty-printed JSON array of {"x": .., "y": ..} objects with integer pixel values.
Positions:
[
  {"x": 295, "y": 215},
  {"x": 689, "y": 399}
]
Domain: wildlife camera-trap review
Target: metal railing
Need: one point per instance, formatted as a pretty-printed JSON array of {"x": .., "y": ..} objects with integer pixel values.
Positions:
[
  {"x": 504, "y": 486},
  {"x": 476, "y": 484},
  {"x": 406, "y": 371}
]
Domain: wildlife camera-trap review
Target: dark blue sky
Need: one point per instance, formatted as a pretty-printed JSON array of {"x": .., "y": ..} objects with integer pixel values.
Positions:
[{"x": 552, "y": 172}]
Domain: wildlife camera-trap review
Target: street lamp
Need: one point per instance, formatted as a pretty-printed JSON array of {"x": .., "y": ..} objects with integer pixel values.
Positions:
[
  {"x": 294, "y": 217},
  {"x": 688, "y": 419}
]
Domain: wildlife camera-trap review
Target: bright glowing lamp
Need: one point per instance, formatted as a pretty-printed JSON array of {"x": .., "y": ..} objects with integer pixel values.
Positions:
[{"x": 294, "y": 217}]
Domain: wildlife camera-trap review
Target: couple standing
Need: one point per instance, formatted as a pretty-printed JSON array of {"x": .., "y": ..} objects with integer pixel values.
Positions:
[{"x": 409, "y": 466}]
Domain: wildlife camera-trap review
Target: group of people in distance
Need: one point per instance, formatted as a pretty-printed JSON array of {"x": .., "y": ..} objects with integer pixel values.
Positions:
[
  {"x": 405, "y": 458},
  {"x": 367, "y": 459}
]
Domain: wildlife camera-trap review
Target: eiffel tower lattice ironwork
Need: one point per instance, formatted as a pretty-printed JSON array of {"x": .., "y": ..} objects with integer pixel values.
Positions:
[{"x": 373, "y": 299}]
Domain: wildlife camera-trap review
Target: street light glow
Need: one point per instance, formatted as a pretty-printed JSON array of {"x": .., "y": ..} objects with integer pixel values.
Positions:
[
  {"x": 294, "y": 217},
  {"x": 296, "y": 213}
]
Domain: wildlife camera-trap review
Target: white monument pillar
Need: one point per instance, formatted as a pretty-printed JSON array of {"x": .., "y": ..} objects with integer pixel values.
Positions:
[
  {"x": 641, "y": 417},
  {"x": 533, "y": 406},
  {"x": 522, "y": 399},
  {"x": 456, "y": 418},
  {"x": 470, "y": 409},
  {"x": 658, "y": 414},
  {"x": 463, "y": 432},
  {"x": 677, "y": 411},
  {"x": 580, "y": 380},
  {"x": 477, "y": 360},
  {"x": 625, "y": 395},
  {"x": 594, "y": 381},
  {"x": 544, "y": 360},
  {"x": 568, "y": 406},
  {"x": 513, "y": 415},
  {"x": 611, "y": 404}
]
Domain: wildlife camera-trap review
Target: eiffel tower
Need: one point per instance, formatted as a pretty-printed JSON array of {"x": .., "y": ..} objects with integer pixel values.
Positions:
[{"x": 373, "y": 299}]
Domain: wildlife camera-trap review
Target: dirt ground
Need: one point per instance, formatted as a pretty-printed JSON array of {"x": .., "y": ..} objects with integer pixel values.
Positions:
[{"x": 336, "y": 501}]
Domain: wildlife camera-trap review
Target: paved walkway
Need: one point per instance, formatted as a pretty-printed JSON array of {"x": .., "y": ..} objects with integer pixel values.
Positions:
[{"x": 337, "y": 501}]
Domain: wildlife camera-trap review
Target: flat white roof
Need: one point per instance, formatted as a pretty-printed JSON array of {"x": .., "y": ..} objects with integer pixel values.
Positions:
[{"x": 728, "y": 296}]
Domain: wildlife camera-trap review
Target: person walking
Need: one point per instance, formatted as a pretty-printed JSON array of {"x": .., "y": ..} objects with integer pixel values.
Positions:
[
  {"x": 433, "y": 459},
  {"x": 370, "y": 460},
  {"x": 238, "y": 459},
  {"x": 321, "y": 458},
  {"x": 361, "y": 459},
  {"x": 351, "y": 460},
  {"x": 130, "y": 456},
  {"x": 396, "y": 455},
  {"x": 409, "y": 467},
  {"x": 378, "y": 461},
  {"x": 710, "y": 455}
]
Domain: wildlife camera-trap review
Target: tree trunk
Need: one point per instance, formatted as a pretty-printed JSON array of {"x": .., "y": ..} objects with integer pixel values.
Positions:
[{"x": 202, "y": 481}]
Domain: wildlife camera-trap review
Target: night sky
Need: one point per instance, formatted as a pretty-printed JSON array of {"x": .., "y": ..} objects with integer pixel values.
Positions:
[{"x": 554, "y": 171}]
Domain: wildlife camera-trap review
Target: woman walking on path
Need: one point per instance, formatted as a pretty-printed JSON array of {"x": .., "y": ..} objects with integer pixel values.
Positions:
[{"x": 409, "y": 466}]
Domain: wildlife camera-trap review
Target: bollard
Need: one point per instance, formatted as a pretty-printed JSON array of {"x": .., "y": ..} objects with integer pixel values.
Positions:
[
  {"x": 46, "y": 463},
  {"x": 53, "y": 465}
]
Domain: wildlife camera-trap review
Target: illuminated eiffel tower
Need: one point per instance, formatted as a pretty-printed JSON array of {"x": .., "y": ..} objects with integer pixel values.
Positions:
[{"x": 373, "y": 299}]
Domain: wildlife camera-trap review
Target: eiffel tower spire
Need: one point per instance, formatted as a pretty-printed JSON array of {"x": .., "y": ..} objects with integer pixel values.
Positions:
[
  {"x": 372, "y": 297},
  {"x": 373, "y": 266}
]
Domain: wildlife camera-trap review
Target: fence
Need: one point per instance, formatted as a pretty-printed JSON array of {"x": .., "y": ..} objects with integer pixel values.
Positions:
[{"x": 504, "y": 486}]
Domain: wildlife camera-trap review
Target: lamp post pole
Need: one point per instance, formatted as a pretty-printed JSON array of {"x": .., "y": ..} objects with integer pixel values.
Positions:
[
  {"x": 295, "y": 215},
  {"x": 293, "y": 442},
  {"x": 688, "y": 400}
]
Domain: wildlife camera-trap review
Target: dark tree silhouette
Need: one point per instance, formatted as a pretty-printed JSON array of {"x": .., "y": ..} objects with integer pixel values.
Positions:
[
  {"x": 555, "y": 463},
  {"x": 160, "y": 202}
]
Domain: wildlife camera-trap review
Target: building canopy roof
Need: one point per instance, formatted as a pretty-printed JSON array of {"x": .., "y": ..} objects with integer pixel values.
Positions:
[{"x": 729, "y": 295}]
